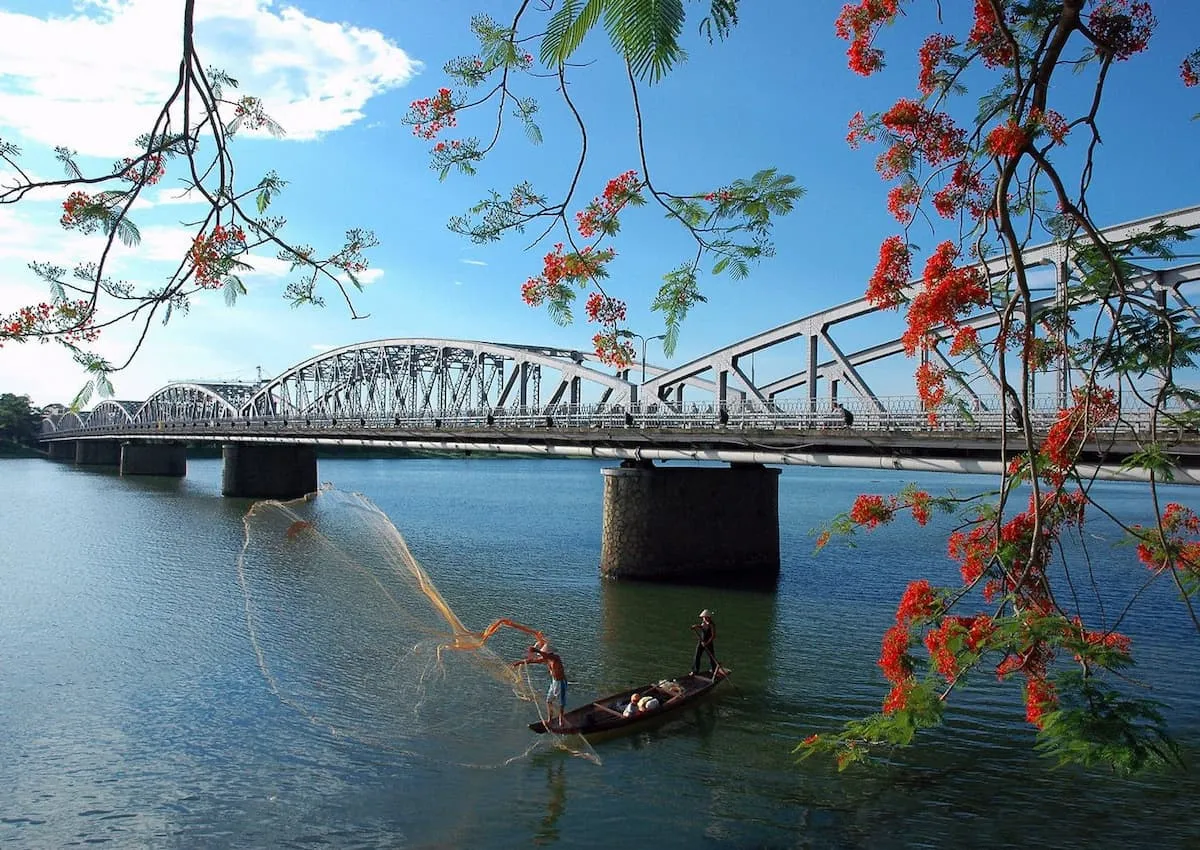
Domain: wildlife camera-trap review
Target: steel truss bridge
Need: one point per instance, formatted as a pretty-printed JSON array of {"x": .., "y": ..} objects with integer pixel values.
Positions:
[{"x": 460, "y": 395}]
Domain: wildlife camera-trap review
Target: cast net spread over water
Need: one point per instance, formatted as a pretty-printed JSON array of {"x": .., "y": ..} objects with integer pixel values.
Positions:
[{"x": 351, "y": 632}]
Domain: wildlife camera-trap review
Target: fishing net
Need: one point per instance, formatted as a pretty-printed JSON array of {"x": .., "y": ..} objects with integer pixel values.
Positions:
[{"x": 350, "y": 631}]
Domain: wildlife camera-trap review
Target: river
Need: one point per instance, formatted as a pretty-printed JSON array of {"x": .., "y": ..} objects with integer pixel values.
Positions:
[{"x": 133, "y": 709}]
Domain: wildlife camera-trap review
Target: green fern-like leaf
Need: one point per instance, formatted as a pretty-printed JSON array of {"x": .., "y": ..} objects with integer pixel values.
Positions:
[{"x": 646, "y": 33}]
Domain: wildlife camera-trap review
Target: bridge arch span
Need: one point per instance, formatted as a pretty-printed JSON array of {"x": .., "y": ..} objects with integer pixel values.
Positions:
[
  {"x": 388, "y": 378},
  {"x": 112, "y": 412},
  {"x": 837, "y": 361},
  {"x": 191, "y": 401}
]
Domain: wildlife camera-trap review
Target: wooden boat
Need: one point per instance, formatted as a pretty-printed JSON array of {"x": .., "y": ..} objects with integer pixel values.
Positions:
[{"x": 607, "y": 714}]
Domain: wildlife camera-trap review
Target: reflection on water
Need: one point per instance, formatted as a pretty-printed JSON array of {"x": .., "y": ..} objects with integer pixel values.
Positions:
[
  {"x": 133, "y": 710},
  {"x": 556, "y": 801}
]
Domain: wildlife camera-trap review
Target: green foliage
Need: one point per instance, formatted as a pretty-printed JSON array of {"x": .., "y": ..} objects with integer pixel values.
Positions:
[
  {"x": 99, "y": 384},
  {"x": 675, "y": 298},
  {"x": 644, "y": 32},
  {"x": 487, "y": 220},
  {"x": 1152, "y": 458},
  {"x": 268, "y": 188},
  {"x": 66, "y": 156},
  {"x": 1096, "y": 725},
  {"x": 860, "y": 741},
  {"x": 722, "y": 16},
  {"x": 19, "y": 422},
  {"x": 233, "y": 287},
  {"x": 524, "y": 110}
]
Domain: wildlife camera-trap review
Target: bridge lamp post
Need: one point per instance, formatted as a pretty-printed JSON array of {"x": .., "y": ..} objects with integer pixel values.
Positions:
[{"x": 645, "y": 341}]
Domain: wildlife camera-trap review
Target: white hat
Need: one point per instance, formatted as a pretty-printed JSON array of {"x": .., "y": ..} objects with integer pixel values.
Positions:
[
  {"x": 545, "y": 646},
  {"x": 706, "y": 613}
]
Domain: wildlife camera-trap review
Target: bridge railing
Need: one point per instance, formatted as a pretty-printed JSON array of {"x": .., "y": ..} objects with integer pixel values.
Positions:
[{"x": 898, "y": 414}]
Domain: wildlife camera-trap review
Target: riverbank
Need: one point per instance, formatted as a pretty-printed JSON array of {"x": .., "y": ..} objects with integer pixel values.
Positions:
[{"x": 10, "y": 449}]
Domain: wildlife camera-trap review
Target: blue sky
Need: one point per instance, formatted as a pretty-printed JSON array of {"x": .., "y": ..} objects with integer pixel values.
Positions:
[{"x": 340, "y": 75}]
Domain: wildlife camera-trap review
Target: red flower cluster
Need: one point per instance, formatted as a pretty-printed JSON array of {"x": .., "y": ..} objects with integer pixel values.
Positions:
[
  {"x": 902, "y": 199},
  {"x": 891, "y": 277},
  {"x": 559, "y": 269},
  {"x": 919, "y": 131},
  {"x": 1072, "y": 428},
  {"x": 858, "y": 25},
  {"x": 931, "y": 54},
  {"x": 1114, "y": 641},
  {"x": 72, "y": 206},
  {"x": 987, "y": 36},
  {"x": 955, "y": 636},
  {"x": 1122, "y": 28},
  {"x": 870, "y": 511},
  {"x": 897, "y": 666},
  {"x": 859, "y": 132},
  {"x": 947, "y": 294},
  {"x": 919, "y": 501},
  {"x": 1050, "y": 121},
  {"x": 213, "y": 255},
  {"x": 966, "y": 189},
  {"x": 931, "y": 388},
  {"x": 966, "y": 339},
  {"x": 613, "y": 350},
  {"x": 1007, "y": 140},
  {"x": 1040, "y": 699},
  {"x": 601, "y": 308},
  {"x": 251, "y": 113},
  {"x": 72, "y": 321},
  {"x": 604, "y": 208},
  {"x": 1177, "y": 547},
  {"x": 917, "y": 603},
  {"x": 146, "y": 172},
  {"x": 1188, "y": 70},
  {"x": 432, "y": 114}
]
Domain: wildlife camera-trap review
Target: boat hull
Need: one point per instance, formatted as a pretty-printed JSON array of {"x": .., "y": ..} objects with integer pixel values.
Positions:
[{"x": 605, "y": 715}]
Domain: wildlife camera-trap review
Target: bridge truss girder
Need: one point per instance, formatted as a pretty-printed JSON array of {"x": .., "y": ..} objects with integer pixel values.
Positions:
[
  {"x": 390, "y": 378},
  {"x": 194, "y": 401},
  {"x": 817, "y": 329}
]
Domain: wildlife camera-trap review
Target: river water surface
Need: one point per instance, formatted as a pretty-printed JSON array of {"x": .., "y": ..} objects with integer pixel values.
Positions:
[{"x": 133, "y": 709}]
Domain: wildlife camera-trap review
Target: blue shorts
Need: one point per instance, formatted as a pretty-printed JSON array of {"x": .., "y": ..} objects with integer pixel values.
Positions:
[{"x": 558, "y": 691}]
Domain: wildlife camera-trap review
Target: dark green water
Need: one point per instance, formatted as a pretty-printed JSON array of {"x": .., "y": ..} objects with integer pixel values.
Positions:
[{"x": 132, "y": 709}]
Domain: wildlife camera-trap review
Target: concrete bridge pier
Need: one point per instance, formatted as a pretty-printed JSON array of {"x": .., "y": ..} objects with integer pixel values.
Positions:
[
  {"x": 268, "y": 470},
  {"x": 698, "y": 525},
  {"x": 97, "y": 453},
  {"x": 154, "y": 459},
  {"x": 62, "y": 450}
]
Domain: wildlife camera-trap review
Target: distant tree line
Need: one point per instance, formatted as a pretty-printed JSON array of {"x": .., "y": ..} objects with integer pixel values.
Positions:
[{"x": 19, "y": 421}]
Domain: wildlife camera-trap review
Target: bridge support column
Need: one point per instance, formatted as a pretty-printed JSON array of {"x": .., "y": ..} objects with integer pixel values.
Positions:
[
  {"x": 268, "y": 470},
  {"x": 154, "y": 459},
  {"x": 97, "y": 452},
  {"x": 691, "y": 524},
  {"x": 62, "y": 450}
]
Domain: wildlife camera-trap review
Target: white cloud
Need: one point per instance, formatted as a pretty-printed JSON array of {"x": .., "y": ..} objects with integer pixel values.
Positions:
[
  {"x": 94, "y": 79},
  {"x": 321, "y": 347},
  {"x": 474, "y": 262}
]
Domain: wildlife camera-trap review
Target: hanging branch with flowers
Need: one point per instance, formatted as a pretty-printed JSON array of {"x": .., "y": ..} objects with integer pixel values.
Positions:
[
  {"x": 996, "y": 181},
  {"x": 190, "y": 139},
  {"x": 731, "y": 225}
]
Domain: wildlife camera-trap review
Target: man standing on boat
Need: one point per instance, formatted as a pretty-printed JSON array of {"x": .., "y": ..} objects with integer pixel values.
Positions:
[
  {"x": 706, "y": 634},
  {"x": 543, "y": 652}
]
